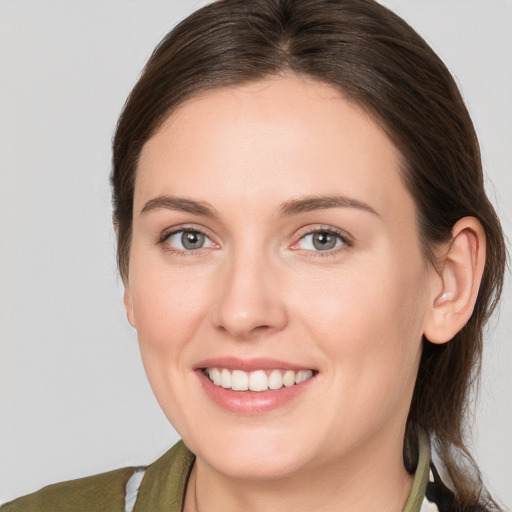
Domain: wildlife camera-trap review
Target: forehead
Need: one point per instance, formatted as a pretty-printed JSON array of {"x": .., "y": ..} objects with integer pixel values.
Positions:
[{"x": 284, "y": 136}]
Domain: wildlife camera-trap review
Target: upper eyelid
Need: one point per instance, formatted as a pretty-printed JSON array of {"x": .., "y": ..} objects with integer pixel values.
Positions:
[
  {"x": 347, "y": 238},
  {"x": 306, "y": 230},
  {"x": 166, "y": 233},
  {"x": 163, "y": 241}
]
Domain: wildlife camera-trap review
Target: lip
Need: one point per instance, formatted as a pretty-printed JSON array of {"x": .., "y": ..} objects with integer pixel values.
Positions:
[
  {"x": 251, "y": 403},
  {"x": 250, "y": 365}
]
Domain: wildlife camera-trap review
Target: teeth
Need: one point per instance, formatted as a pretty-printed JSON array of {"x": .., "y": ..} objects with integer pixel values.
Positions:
[
  {"x": 289, "y": 378},
  {"x": 225, "y": 378},
  {"x": 215, "y": 377},
  {"x": 302, "y": 375},
  {"x": 239, "y": 381},
  {"x": 259, "y": 380},
  {"x": 275, "y": 380}
]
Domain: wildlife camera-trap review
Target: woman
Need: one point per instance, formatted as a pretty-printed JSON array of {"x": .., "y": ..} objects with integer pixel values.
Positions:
[{"x": 309, "y": 258}]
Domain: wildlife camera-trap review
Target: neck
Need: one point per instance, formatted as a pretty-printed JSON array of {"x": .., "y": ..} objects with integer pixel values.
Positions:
[{"x": 377, "y": 481}]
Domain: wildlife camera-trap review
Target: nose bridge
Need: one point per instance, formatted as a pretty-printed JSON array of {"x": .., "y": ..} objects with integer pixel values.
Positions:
[{"x": 249, "y": 298}]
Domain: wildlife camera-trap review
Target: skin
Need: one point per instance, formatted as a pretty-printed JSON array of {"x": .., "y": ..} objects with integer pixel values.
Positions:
[{"x": 355, "y": 314}]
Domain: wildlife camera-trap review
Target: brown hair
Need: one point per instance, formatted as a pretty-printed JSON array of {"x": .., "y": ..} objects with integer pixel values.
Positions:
[{"x": 381, "y": 63}]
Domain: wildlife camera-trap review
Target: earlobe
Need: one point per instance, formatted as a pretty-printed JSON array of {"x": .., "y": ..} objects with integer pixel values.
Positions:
[
  {"x": 128, "y": 306},
  {"x": 460, "y": 270}
]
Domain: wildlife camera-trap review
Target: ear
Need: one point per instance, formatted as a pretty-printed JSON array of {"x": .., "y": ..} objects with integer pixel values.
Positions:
[
  {"x": 460, "y": 270},
  {"x": 128, "y": 306}
]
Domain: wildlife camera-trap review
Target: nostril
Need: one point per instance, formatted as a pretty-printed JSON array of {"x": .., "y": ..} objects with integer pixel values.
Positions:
[{"x": 243, "y": 311}]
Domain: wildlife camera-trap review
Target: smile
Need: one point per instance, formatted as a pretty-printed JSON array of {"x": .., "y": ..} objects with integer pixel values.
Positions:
[{"x": 258, "y": 381}]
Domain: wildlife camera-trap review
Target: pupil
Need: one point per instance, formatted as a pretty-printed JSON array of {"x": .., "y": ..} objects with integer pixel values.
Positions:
[
  {"x": 192, "y": 240},
  {"x": 324, "y": 241}
]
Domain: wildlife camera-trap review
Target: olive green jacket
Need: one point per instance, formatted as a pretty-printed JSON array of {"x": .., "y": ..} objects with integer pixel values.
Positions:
[{"x": 162, "y": 489}]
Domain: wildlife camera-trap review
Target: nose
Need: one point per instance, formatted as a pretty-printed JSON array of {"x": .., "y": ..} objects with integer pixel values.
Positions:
[{"x": 250, "y": 302}]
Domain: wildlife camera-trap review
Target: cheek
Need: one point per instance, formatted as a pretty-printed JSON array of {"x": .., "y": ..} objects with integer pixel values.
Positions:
[
  {"x": 168, "y": 307},
  {"x": 369, "y": 323},
  {"x": 168, "y": 311}
]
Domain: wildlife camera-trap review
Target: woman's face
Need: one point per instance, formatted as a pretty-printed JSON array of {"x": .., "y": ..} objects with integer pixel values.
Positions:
[{"x": 273, "y": 240}]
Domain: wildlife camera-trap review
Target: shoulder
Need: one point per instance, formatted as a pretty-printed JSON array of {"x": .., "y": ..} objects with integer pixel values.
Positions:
[
  {"x": 164, "y": 483},
  {"x": 442, "y": 498},
  {"x": 99, "y": 493}
]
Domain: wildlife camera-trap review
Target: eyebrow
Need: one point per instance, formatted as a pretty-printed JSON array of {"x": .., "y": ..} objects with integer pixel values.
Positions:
[
  {"x": 309, "y": 203},
  {"x": 287, "y": 209},
  {"x": 180, "y": 204}
]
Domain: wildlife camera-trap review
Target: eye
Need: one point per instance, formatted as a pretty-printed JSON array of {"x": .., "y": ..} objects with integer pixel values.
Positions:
[
  {"x": 321, "y": 240},
  {"x": 188, "y": 240}
]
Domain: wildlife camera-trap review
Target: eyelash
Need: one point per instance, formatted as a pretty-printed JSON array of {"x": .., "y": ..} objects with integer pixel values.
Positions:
[
  {"x": 182, "y": 229},
  {"x": 345, "y": 239}
]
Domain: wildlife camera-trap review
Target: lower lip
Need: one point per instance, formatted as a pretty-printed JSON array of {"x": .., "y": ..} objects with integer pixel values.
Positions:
[{"x": 251, "y": 403}]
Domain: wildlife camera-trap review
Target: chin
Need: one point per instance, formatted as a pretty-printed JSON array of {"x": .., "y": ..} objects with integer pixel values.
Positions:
[
  {"x": 256, "y": 466},
  {"x": 252, "y": 455}
]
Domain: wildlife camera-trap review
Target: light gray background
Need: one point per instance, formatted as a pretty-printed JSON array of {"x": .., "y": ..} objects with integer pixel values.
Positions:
[{"x": 74, "y": 397}]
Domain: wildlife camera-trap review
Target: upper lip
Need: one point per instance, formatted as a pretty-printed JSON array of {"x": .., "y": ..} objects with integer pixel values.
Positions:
[{"x": 252, "y": 364}]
